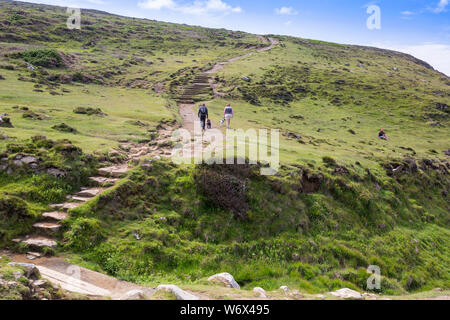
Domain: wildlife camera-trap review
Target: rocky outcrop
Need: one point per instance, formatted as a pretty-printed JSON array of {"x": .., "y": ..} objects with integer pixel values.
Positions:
[
  {"x": 134, "y": 295},
  {"x": 347, "y": 294},
  {"x": 260, "y": 291},
  {"x": 225, "y": 279},
  {"x": 180, "y": 294}
]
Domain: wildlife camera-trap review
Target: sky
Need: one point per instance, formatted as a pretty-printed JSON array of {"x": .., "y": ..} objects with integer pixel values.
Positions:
[{"x": 417, "y": 27}]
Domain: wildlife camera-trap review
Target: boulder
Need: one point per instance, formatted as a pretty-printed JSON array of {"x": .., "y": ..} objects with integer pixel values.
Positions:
[
  {"x": 285, "y": 289},
  {"x": 179, "y": 293},
  {"x": 29, "y": 160},
  {"x": 133, "y": 295},
  {"x": 31, "y": 271},
  {"x": 347, "y": 293},
  {"x": 226, "y": 279},
  {"x": 260, "y": 291},
  {"x": 56, "y": 173}
]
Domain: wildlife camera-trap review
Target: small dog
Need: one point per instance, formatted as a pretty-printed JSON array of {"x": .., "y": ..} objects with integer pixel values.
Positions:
[{"x": 208, "y": 124}]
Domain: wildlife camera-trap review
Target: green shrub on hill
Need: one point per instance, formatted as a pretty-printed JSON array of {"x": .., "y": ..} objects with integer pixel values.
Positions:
[{"x": 48, "y": 58}]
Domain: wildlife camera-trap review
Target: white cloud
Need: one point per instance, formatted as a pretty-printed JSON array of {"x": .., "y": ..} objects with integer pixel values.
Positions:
[
  {"x": 197, "y": 7},
  {"x": 287, "y": 11},
  {"x": 157, "y": 4},
  {"x": 407, "y": 13},
  {"x": 435, "y": 54},
  {"x": 441, "y": 6}
]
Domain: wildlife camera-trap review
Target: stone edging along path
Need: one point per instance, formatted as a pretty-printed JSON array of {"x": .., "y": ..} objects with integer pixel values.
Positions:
[{"x": 47, "y": 229}]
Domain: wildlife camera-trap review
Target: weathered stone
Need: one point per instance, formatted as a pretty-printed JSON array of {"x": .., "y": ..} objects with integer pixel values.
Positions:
[
  {"x": 65, "y": 206},
  {"x": 134, "y": 295},
  {"x": 30, "y": 269},
  {"x": 347, "y": 293},
  {"x": 89, "y": 193},
  {"x": 179, "y": 293},
  {"x": 17, "y": 274},
  {"x": 285, "y": 289},
  {"x": 56, "y": 173},
  {"x": 40, "y": 242},
  {"x": 47, "y": 226},
  {"x": 260, "y": 291},
  {"x": 39, "y": 283},
  {"x": 226, "y": 279},
  {"x": 56, "y": 215},
  {"x": 29, "y": 160}
]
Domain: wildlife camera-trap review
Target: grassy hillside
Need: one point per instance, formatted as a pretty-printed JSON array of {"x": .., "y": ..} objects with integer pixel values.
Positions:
[{"x": 343, "y": 199}]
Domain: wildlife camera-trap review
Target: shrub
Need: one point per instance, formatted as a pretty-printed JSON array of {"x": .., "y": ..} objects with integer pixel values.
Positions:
[
  {"x": 43, "y": 57},
  {"x": 85, "y": 233},
  {"x": 64, "y": 128}
]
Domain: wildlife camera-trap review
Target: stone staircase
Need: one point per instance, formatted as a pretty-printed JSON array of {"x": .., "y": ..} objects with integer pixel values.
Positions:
[
  {"x": 200, "y": 86},
  {"x": 47, "y": 230}
]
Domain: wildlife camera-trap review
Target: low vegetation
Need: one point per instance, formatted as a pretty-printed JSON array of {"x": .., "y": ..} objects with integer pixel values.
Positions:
[{"x": 343, "y": 199}]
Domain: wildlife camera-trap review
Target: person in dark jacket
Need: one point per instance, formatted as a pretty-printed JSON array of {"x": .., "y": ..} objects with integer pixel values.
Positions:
[{"x": 203, "y": 115}]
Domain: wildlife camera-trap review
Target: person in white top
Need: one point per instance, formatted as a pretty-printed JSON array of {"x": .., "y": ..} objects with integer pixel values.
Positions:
[{"x": 228, "y": 114}]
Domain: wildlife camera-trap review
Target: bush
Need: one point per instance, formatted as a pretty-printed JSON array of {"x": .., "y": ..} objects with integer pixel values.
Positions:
[
  {"x": 49, "y": 58},
  {"x": 225, "y": 187},
  {"x": 64, "y": 128},
  {"x": 11, "y": 205},
  {"x": 85, "y": 234}
]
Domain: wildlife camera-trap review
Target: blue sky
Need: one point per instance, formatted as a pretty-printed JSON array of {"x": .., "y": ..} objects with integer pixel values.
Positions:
[{"x": 418, "y": 27}]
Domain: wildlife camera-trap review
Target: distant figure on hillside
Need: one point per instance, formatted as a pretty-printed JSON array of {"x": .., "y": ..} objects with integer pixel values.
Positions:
[
  {"x": 382, "y": 135},
  {"x": 203, "y": 115},
  {"x": 228, "y": 114}
]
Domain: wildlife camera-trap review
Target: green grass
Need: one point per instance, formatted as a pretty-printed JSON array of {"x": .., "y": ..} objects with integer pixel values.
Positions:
[
  {"x": 310, "y": 242},
  {"x": 195, "y": 221}
]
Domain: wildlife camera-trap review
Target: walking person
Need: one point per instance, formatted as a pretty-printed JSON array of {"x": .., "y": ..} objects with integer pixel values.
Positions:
[
  {"x": 203, "y": 115},
  {"x": 228, "y": 114}
]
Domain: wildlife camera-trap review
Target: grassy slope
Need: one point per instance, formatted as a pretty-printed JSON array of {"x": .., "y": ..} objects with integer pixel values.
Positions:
[{"x": 314, "y": 242}]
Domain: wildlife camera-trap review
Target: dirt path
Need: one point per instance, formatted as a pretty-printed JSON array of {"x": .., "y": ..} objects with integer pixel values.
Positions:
[
  {"x": 187, "y": 110},
  {"x": 81, "y": 280}
]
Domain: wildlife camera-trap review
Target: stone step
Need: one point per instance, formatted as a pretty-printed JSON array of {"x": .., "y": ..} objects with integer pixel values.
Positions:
[
  {"x": 89, "y": 193},
  {"x": 47, "y": 227},
  {"x": 66, "y": 206},
  {"x": 56, "y": 215},
  {"x": 82, "y": 199},
  {"x": 40, "y": 242},
  {"x": 114, "y": 171},
  {"x": 103, "y": 181}
]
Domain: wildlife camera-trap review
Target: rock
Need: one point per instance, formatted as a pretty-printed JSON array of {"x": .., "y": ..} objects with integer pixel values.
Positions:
[
  {"x": 370, "y": 296},
  {"x": 30, "y": 269},
  {"x": 260, "y": 291},
  {"x": 320, "y": 296},
  {"x": 347, "y": 293},
  {"x": 33, "y": 255},
  {"x": 134, "y": 295},
  {"x": 12, "y": 284},
  {"x": 225, "y": 279},
  {"x": 180, "y": 294},
  {"x": 17, "y": 274},
  {"x": 247, "y": 79},
  {"x": 39, "y": 283},
  {"x": 29, "y": 160},
  {"x": 285, "y": 289},
  {"x": 56, "y": 173}
]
